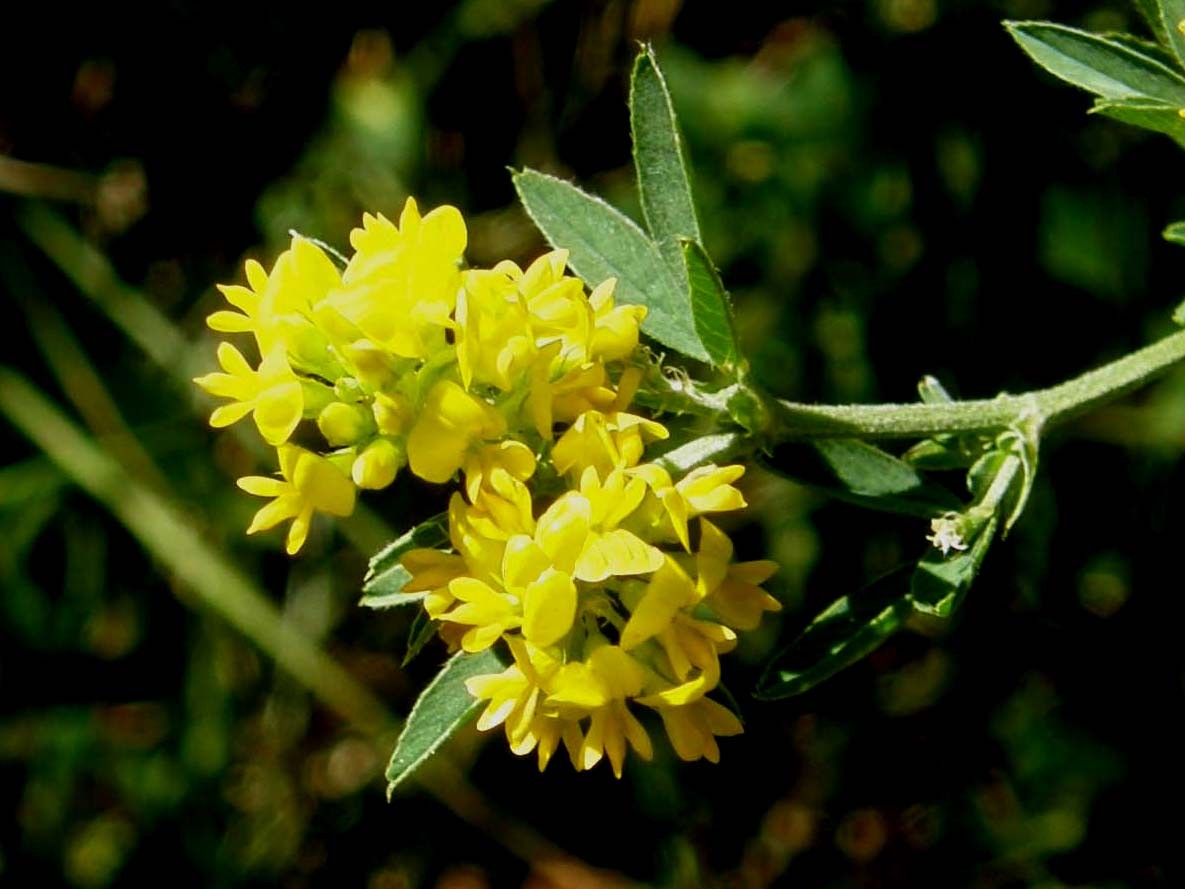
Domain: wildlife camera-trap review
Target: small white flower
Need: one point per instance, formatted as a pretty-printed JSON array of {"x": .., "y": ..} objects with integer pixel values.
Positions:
[{"x": 946, "y": 534}]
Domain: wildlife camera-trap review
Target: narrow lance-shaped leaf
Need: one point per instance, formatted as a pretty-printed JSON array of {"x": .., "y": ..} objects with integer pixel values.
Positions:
[
  {"x": 862, "y": 473},
  {"x": 440, "y": 711},
  {"x": 1146, "y": 113},
  {"x": 663, "y": 183},
  {"x": 710, "y": 307},
  {"x": 1150, "y": 11},
  {"x": 605, "y": 243},
  {"x": 852, "y": 627},
  {"x": 1175, "y": 233},
  {"x": 1113, "y": 69},
  {"x": 386, "y": 578},
  {"x": 1172, "y": 16}
]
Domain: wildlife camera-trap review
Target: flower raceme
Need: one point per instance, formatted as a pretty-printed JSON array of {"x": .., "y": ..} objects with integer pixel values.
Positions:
[{"x": 600, "y": 574}]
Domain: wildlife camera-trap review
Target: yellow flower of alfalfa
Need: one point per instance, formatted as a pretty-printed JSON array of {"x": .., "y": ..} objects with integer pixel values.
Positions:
[
  {"x": 309, "y": 484},
  {"x": 732, "y": 589},
  {"x": 615, "y": 332},
  {"x": 274, "y": 307},
  {"x": 605, "y": 441},
  {"x": 693, "y": 727},
  {"x": 515, "y": 697},
  {"x": 400, "y": 287},
  {"x": 273, "y": 395},
  {"x": 494, "y": 340},
  {"x": 599, "y": 689},
  {"x": 450, "y": 421}
]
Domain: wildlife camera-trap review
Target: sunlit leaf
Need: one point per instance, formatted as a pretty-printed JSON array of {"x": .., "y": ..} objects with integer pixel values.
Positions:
[
  {"x": 710, "y": 307},
  {"x": 383, "y": 587},
  {"x": 440, "y": 711},
  {"x": 1146, "y": 113},
  {"x": 605, "y": 243},
  {"x": 1113, "y": 69},
  {"x": 663, "y": 183}
]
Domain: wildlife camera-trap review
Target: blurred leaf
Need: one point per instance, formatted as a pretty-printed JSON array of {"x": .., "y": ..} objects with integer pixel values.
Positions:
[
  {"x": 663, "y": 184},
  {"x": 383, "y": 586},
  {"x": 852, "y": 627},
  {"x": 1146, "y": 113},
  {"x": 1167, "y": 25},
  {"x": 1175, "y": 233},
  {"x": 443, "y": 707},
  {"x": 940, "y": 582},
  {"x": 862, "y": 473},
  {"x": 1150, "y": 11},
  {"x": 605, "y": 243},
  {"x": 1113, "y": 69},
  {"x": 710, "y": 307}
]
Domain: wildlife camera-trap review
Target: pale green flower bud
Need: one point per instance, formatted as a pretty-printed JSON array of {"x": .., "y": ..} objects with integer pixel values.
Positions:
[{"x": 345, "y": 424}]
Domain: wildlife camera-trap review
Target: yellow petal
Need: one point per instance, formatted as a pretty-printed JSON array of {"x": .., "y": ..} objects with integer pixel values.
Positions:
[
  {"x": 563, "y": 529},
  {"x": 669, "y": 590},
  {"x": 549, "y": 608},
  {"x": 617, "y": 553}
]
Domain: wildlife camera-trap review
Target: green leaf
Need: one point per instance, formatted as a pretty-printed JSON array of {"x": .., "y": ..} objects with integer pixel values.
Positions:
[
  {"x": 1171, "y": 15},
  {"x": 862, "y": 473},
  {"x": 1146, "y": 113},
  {"x": 710, "y": 307},
  {"x": 605, "y": 243},
  {"x": 940, "y": 582},
  {"x": 441, "y": 710},
  {"x": 718, "y": 448},
  {"x": 1175, "y": 233},
  {"x": 1113, "y": 69},
  {"x": 423, "y": 631},
  {"x": 663, "y": 184},
  {"x": 383, "y": 587},
  {"x": 1150, "y": 11},
  {"x": 852, "y": 627}
]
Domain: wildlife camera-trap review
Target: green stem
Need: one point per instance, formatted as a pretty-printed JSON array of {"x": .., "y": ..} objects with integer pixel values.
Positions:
[{"x": 1044, "y": 407}]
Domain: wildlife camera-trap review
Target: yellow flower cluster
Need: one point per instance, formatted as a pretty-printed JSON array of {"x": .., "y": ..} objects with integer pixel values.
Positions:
[{"x": 601, "y": 573}]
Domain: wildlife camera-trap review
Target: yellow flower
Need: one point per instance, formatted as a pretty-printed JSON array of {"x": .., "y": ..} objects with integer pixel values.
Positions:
[
  {"x": 732, "y": 589},
  {"x": 310, "y": 484},
  {"x": 273, "y": 395},
  {"x": 301, "y": 277},
  {"x": 449, "y": 422},
  {"x": 494, "y": 340},
  {"x": 600, "y": 687},
  {"x": 693, "y": 727},
  {"x": 400, "y": 287},
  {"x": 616, "y": 329},
  {"x": 488, "y": 612},
  {"x": 605, "y": 441},
  {"x": 514, "y": 701},
  {"x": 486, "y": 465}
]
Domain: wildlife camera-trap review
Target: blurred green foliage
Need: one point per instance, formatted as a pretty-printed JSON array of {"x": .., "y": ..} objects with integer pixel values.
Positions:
[{"x": 890, "y": 188}]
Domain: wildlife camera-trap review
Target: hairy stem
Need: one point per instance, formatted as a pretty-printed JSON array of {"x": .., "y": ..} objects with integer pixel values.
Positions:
[{"x": 1046, "y": 407}]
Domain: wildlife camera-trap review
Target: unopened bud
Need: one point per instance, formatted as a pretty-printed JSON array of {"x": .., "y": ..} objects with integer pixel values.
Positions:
[
  {"x": 344, "y": 424},
  {"x": 377, "y": 465}
]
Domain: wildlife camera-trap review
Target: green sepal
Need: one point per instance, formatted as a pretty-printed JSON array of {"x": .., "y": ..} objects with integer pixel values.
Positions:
[
  {"x": 386, "y": 577},
  {"x": 441, "y": 710}
]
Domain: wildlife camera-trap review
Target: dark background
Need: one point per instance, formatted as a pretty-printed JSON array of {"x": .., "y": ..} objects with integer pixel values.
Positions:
[{"x": 890, "y": 189}]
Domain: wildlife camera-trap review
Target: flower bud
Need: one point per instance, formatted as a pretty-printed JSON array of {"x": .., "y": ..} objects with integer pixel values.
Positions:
[
  {"x": 344, "y": 424},
  {"x": 377, "y": 465}
]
